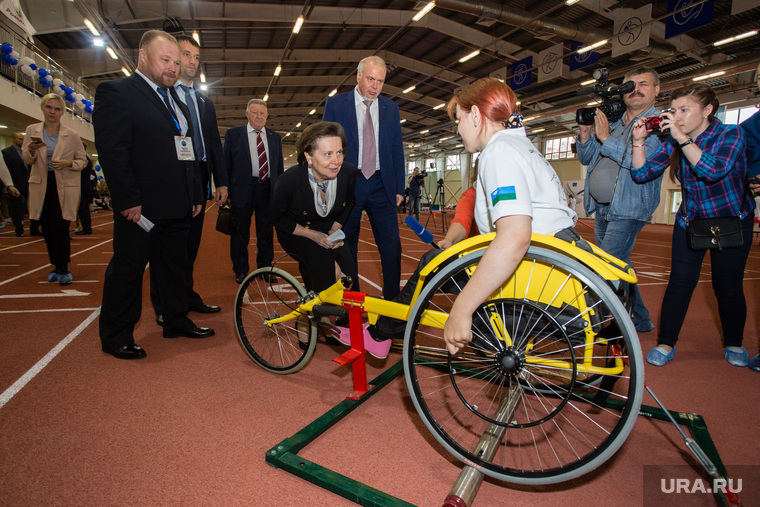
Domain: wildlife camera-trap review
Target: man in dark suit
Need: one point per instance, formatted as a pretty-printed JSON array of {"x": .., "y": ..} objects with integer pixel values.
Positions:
[
  {"x": 20, "y": 175},
  {"x": 373, "y": 130},
  {"x": 86, "y": 185},
  {"x": 208, "y": 153},
  {"x": 144, "y": 136},
  {"x": 253, "y": 159}
]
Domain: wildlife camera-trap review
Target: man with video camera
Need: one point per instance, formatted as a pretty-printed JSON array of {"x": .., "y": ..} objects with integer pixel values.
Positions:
[
  {"x": 415, "y": 181},
  {"x": 621, "y": 205}
]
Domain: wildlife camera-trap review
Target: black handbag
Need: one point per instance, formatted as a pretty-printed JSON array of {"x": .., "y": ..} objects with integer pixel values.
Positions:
[
  {"x": 225, "y": 220},
  {"x": 713, "y": 233}
]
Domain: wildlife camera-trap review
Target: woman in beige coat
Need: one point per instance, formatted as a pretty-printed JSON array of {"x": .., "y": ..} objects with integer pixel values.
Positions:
[{"x": 56, "y": 156}]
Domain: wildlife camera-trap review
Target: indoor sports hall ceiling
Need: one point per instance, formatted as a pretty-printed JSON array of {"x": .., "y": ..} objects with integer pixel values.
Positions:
[{"x": 244, "y": 42}]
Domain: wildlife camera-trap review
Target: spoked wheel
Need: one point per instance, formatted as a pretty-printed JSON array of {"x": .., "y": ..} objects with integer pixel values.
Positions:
[
  {"x": 282, "y": 348},
  {"x": 552, "y": 382}
]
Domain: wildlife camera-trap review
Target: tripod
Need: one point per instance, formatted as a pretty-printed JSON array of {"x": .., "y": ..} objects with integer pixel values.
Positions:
[{"x": 439, "y": 192}]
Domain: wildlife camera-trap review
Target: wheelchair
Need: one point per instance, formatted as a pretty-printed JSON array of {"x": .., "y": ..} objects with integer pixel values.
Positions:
[{"x": 548, "y": 389}]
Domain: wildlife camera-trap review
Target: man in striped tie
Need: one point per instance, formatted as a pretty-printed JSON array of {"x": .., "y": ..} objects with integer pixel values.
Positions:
[{"x": 253, "y": 161}]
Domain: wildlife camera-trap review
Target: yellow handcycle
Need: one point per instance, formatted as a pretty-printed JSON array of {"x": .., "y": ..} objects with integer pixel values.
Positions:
[{"x": 549, "y": 387}]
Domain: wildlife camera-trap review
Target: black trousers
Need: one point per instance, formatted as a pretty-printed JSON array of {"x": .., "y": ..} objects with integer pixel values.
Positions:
[
  {"x": 84, "y": 211},
  {"x": 55, "y": 229},
  {"x": 17, "y": 207},
  {"x": 317, "y": 264},
  {"x": 241, "y": 232},
  {"x": 194, "y": 299},
  {"x": 166, "y": 246}
]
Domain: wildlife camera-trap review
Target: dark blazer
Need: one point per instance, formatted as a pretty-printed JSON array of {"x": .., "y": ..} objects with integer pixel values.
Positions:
[
  {"x": 751, "y": 127},
  {"x": 237, "y": 161},
  {"x": 212, "y": 141},
  {"x": 134, "y": 136},
  {"x": 17, "y": 168},
  {"x": 342, "y": 109},
  {"x": 293, "y": 200}
]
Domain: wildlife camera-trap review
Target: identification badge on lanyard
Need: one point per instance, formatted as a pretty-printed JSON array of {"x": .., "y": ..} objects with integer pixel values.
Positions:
[{"x": 184, "y": 147}]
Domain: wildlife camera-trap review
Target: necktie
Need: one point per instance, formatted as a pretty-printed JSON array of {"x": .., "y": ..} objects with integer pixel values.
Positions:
[
  {"x": 165, "y": 94},
  {"x": 369, "y": 150},
  {"x": 198, "y": 139},
  {"x": 263, "y": 163}
]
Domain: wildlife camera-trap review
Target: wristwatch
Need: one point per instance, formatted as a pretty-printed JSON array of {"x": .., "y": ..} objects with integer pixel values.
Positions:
[{"x": 686, "y": 143}]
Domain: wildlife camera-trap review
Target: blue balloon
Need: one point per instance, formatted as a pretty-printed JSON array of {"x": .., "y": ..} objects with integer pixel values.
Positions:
[
  {"x": 69, "y": 91},
  {"x": 6, "y": 58},
  {"x": 33, "y": 66},
  {"x": 14, "y": 62},
  {"x": 6, "y": 48},
  {"x": 71, "y": 99},
  {"x": 88, "y": 109},
  {"x": 42, "y": 72},
  {"x": 44, "y": 82}
]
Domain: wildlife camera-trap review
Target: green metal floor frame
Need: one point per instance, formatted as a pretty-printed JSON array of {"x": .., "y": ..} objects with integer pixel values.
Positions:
[{"x": 285, "y": 454}]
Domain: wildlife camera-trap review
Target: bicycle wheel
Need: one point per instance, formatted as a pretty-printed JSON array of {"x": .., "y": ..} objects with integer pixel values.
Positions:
[
  {"x": 523, "y": 402},
  {"x": 282, "y": 348}
]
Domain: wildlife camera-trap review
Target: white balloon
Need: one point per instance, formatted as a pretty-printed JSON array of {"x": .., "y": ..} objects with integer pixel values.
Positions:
[
  {"x": 25, "y": 60},
  {"x": 57, "y": 90},
  {"x": 57, "y": 82},
  {"x": 49, "y": 78},
  {"x": 79, "y": 97},
  {"x": 79, "y": 104},
  {"x": 27, "y": 70},
  {"x": 15, "y": 54}
]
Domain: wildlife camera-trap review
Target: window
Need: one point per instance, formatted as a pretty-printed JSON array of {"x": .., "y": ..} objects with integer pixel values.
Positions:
[
  {"x": 555, "y": 149},
  {"x": 737, "y": 116}
]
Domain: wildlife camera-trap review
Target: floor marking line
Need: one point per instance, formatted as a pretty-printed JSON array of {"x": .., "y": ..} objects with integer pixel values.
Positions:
[{"x": 34, "y": 370}]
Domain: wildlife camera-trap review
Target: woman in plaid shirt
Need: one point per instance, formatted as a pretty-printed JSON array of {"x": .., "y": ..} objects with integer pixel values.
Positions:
[{"x": 709, "y": 158}]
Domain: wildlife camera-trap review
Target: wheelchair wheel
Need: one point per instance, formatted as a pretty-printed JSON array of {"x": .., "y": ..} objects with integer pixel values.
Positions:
[
  {"x": 282, "y": 348},
  {"x": 524, "y": 402}
]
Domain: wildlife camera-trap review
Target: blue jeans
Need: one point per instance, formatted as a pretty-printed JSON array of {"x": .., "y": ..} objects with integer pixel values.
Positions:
[
  {"x": 727, "y": 283},
  {"x": 617, "y": 237}
]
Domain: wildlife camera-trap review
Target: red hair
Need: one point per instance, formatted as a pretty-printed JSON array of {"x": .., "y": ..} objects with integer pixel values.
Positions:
[{"x": 495, "y": 99}]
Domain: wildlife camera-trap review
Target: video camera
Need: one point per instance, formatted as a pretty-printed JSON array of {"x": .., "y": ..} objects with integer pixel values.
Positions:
[
  {"x": 612, "y": 106},
  {"x": 421, "y": 175}
]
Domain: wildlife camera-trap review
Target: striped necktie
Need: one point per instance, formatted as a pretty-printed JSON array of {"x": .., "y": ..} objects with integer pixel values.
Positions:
[
  {"x": 369, "y": 150},
  {"x": 263, "y": 162}
]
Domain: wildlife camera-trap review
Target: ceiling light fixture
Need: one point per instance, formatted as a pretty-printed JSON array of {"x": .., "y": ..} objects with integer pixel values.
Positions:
[
  {"x": 298, "y": 124},
  {"x": 298, "y": 25},
  {"x": 91, "y": 27},
  {"x": 266, "y": 97},
  {"x": 469, "y": 57},
  {"x": 125, "y": 71},
  {"x": 204, "y": 87},
  {"x": 537, "y": 131},
  {"x": 595, "y": 45},
  {"x": 402, "y": 120},
  {"x": 439, "y": 106},
  {"x": 197, "y": 37},
  {"x": 203, "y": 77},
  {"x": 423, "y": 11},
  {"x": 530, "y": 118},
  {"x": 571, "y": 2},
  {"x": 97, "y": 41},
  {"x": 735, "y": 38},
  {"x": 312, "y": 111},
  {"x": 708, "y": 76},
  {"x": 590, "y": 81},
  {"x": 409, "y": 89},
  {"x": 278, "y": 70},
  {"x": 335, "y": 90},
  {"x": 425, "y": 131},
  {"x": 111, "y": 53}
]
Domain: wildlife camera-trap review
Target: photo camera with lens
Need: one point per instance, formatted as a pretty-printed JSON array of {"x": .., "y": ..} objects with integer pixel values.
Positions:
[{"x": 612, "y": 102}]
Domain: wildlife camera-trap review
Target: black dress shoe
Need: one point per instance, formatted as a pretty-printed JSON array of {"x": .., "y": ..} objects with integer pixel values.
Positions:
[
  {"x": 35, "y": 233},
  {"x": 194, "y": 332},
  {"x": 19, "y": 234},
  {"x": 160, "y": 319},
  {"x": 126, "y": 352},
  {"x": 239, "y": 277},
  {"x": 82, "y": 232},
  {"x": 269, "y": 277},
  {"x": 206, "y": 309}
]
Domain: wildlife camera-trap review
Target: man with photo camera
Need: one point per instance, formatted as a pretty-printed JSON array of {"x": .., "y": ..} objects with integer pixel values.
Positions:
[{"x": 621, "y": 206}]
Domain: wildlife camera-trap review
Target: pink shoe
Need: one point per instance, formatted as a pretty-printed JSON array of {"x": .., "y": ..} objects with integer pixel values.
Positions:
[
  {"x": 345, "y": 334},
  {"x": 375, "y": 348}
]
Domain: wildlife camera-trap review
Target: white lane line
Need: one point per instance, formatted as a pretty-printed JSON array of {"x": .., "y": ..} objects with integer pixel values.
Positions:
[
  {"x": 51, "y": 310},
  {"x": 44, "y": 266},
  {"x": 34, "y": 370},
  {"x": 63, "y": 293},
  {"x": 25, "y": 243},
  {"x": 361, "y": 277},
  {"x": 9, "y": 265}
]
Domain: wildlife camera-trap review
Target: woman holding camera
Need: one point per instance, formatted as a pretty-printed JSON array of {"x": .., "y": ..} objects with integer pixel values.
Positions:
[
  {"x": 312, "y": 200},
  {"x": 56, "y": 156},
  {"x": 708, "y": 158}
]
